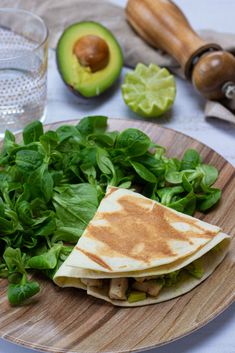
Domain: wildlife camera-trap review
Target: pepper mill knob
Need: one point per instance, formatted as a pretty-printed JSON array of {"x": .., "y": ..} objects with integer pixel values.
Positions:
[{"x": 212, "y": 72}]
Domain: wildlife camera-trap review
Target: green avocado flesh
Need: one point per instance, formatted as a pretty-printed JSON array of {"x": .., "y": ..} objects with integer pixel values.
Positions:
[{"x": 80, "y": 78}]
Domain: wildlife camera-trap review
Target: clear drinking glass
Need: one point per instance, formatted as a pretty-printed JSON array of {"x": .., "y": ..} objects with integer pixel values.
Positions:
[{"x": 23, "y": 68}]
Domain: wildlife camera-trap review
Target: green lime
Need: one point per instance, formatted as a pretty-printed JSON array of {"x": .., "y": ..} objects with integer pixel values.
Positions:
[{"x": 149, "y": 90}]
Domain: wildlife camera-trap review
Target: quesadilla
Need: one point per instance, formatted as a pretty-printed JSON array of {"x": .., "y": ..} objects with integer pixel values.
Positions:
[{"x": 135, "y": 251}]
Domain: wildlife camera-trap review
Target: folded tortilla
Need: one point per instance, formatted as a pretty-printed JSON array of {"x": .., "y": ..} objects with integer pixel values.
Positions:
[{"x": 134, "y": 246}]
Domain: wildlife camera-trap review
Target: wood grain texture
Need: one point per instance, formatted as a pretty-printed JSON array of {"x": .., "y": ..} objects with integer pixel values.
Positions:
[
  {"x": 212, "y": 71},
  {"x": 162, "y": 24},
  {"x": 67, "y": 320}
]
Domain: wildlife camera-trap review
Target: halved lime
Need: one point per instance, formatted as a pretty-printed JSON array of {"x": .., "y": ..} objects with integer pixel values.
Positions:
[{"x": 149, "y": 90}]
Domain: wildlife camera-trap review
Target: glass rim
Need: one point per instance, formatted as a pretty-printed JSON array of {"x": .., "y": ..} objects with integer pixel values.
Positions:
[{"x": 36, "y": 17}]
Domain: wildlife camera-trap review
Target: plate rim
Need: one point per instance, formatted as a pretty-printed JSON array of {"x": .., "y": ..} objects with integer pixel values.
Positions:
[{"x": 199, "y": 325}]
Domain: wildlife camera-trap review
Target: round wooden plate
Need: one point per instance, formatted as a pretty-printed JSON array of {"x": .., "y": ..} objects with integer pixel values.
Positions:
[{"x": 67, "y": 320}]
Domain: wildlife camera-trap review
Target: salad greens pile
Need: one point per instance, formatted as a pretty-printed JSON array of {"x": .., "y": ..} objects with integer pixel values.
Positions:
[{"x": 52, "y": 182}]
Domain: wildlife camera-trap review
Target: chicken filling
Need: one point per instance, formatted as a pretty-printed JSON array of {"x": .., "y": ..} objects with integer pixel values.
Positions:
[{"x": 139, "y": 288}]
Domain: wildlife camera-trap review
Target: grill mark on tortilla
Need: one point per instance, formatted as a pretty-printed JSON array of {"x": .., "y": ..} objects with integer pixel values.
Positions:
[
  {"x": 166, "y": 215},
  {"x": 94, "y": 258},
  {"x": 149, "y": 221}
]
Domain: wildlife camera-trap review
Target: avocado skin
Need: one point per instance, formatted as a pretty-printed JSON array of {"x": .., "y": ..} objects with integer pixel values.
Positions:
[{"x": 109, "y": 78}]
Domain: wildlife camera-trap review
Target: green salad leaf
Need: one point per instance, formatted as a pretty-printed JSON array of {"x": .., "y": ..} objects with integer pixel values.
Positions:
[
  {"x": 52, "y": 182},
  {"x": 18, "y": 293}
]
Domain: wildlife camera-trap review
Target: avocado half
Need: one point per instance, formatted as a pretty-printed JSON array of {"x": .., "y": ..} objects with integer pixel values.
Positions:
[{"x": 89, "y": 58}]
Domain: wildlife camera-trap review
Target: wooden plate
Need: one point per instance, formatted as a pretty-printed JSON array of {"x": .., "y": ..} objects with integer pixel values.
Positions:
[{"x": 69, "y": 321}]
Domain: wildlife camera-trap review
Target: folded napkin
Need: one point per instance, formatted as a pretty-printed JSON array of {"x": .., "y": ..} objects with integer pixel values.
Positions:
[{"x": 60, "y": 13}]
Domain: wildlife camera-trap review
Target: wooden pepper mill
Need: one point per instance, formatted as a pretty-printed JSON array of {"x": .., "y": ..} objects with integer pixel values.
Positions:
[{"x": 162, "y": 24}]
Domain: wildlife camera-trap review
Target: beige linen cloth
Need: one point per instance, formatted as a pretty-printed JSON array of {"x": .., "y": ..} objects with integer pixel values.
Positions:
[{"x": 58, "y": 14}]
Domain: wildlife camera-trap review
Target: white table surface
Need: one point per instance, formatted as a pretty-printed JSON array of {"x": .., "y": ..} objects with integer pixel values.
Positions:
[{"x": 187, "y": 117}]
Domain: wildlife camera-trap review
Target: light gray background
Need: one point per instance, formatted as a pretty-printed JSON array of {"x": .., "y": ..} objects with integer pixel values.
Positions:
[{"x": 186, "y": 116}]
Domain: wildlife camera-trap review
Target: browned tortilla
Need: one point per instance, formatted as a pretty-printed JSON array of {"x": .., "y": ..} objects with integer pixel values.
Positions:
[{"x": 130, "y": 232}]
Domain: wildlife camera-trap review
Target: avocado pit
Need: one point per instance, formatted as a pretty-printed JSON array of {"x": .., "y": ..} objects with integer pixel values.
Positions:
[{"x": 92, "y": 51}]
